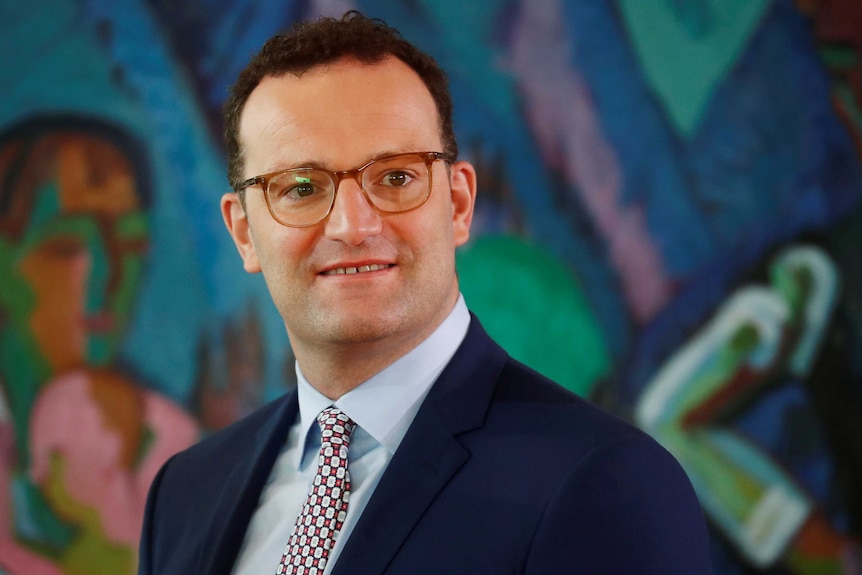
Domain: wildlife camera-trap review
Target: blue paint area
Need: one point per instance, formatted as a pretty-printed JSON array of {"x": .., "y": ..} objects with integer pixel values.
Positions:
[
  {"x": 634, "y": 122},
  {"x": 768, "y": 164},
  {"x": 489, "y": 122},
  {"x": 214, "y": 39},
  {"x": 769, "y": 157}
]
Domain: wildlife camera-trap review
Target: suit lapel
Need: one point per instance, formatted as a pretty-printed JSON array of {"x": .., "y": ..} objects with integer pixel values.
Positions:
[
  {"x": 411, "y": 482},
  {"x": 428, "y": 457},
  {"x": 242, "y": 488}
]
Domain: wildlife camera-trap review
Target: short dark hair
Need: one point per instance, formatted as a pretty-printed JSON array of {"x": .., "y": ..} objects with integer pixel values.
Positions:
[{"x": 324, "y": 41}]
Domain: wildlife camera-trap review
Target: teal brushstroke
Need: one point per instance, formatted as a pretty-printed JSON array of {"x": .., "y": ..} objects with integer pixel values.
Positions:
[{"x": 686, "y": 48}]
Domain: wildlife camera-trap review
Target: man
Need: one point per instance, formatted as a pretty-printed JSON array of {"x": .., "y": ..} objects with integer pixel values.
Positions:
[{"x": 350, "y": 200}]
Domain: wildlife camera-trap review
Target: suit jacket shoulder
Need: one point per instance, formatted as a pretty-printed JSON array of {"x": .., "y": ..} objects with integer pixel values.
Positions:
[
  {"x": 202, "y": 500},
  {"x": 504, "y": 471}
]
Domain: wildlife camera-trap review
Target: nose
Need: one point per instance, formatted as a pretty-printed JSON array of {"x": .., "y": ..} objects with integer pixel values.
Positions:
[{"x": 353, "y": 218}]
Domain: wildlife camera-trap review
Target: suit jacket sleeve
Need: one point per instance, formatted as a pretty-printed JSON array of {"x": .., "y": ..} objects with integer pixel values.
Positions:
[{"x": 627, "y": 507}]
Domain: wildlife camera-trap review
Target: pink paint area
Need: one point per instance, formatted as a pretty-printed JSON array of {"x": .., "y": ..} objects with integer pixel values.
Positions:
[
  {"x": 67, "y": 422},
  {"x": 561, "y": 113}
]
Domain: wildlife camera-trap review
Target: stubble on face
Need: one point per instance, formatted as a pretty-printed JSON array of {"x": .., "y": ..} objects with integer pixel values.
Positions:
[
  {"x": 340, "y": 116},
  {"x": 365, "y": 317}
]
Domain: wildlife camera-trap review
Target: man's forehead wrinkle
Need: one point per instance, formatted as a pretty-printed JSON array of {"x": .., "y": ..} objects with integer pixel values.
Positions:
[
  {"x": 272, "y": 135},
  {"x": 275, "y": 124},
  {"x": 265, "y": 131}
]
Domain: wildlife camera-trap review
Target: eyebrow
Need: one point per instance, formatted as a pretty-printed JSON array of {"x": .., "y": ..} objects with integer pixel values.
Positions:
[{"x": 316, "y": 165}]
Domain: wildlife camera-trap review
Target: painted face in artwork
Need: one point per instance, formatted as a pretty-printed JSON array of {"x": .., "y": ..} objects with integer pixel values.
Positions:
[{"x": 72, "y": 240}]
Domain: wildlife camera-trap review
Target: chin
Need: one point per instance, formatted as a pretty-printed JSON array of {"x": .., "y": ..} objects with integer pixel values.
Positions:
[
  {"x": 361, "y": 329},
  {"x": 362, "y": 332}
]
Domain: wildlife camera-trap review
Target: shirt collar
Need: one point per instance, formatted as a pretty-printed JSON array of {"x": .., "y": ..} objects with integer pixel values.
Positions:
[{"x": 385, "y": 404}]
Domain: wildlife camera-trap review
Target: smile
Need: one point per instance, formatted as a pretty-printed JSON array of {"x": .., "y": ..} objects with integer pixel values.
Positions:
[{"x": 357, "y": 270}]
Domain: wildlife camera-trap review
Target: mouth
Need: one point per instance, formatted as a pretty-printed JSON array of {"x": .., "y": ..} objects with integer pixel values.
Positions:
[{"x": 350, "y": 270}]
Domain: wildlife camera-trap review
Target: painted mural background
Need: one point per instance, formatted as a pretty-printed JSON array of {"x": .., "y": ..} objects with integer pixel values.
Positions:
[{"x": 669, "y": 222}]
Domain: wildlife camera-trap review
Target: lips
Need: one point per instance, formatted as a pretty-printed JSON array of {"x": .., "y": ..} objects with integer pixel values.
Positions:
[{"x": 350, "y": 270}]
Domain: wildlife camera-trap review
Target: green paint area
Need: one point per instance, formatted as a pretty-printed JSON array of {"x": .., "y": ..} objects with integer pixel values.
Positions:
[
  {"x": 530, "y": 303},
  {"x": 91, "y": 552},
  {"x": 45, "y": 208},
  {"x": 16, "y": 297},
  {"x": 111, "y": 280},
  {"x": 686, "y": 47},
  {"x": 49, "y": 223},
  {"x": 35, "y": 521},
  {"x": 22, "y": 371},
  {"x": 133, "y": 226}
]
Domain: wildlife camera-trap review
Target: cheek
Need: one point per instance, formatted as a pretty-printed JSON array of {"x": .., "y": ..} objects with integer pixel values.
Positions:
[
  {"x": 429, "y": 247},
  {"x": 434, "y": 234},
  {"x": 278, "y": 245},
  {"x": 283, "y": 255}
]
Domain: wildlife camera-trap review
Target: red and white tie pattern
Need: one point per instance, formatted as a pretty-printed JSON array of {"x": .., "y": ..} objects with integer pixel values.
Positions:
[{"x": 323, "y": 514}]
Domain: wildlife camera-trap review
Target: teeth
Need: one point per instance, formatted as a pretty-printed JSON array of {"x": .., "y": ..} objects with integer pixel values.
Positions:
[{"x": 357, "y": 270}]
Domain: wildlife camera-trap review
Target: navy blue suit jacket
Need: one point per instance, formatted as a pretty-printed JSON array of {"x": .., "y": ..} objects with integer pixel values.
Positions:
[{"x": 502, "y": 471}]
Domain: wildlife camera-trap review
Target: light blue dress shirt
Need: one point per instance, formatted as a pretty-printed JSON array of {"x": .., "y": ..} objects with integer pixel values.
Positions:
[{"x": 383, "y": 408}]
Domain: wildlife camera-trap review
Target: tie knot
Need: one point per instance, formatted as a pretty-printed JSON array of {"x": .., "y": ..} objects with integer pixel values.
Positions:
[{"x": 335, "y": 426}]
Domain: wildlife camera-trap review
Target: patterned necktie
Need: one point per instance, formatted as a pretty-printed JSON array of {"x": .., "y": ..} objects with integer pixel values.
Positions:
[{"x": 323, "y": 514}]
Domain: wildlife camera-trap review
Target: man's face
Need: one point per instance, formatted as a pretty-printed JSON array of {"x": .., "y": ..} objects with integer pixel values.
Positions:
[{"x": 339, "y": 117}]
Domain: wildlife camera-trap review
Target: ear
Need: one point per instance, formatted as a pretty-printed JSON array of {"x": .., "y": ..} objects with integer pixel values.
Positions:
[
  {"x": 237, "y": 224},
  {"x": 463, "y": 185}
]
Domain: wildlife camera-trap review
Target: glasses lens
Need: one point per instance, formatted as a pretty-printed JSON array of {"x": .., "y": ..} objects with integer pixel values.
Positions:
[
  {"x": 300, "y": 197},
  {"x": 397, "y": 184}
]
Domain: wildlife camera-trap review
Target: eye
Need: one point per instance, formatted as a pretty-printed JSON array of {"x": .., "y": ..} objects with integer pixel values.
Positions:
[
  {"x": 396, "y": 178},
  {"x": 300, "y": 191},
  {"x": 299, "y": 187}
]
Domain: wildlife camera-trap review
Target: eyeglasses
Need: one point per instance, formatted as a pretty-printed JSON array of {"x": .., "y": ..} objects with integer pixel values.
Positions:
[{"x": 302, "y": 197}]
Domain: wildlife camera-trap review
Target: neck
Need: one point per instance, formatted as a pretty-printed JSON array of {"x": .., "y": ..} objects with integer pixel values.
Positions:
[{"x": 335, "y": 368}]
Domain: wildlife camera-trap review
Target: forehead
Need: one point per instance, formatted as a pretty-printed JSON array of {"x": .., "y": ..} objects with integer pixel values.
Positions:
[{"x": 342, "y": 112}]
